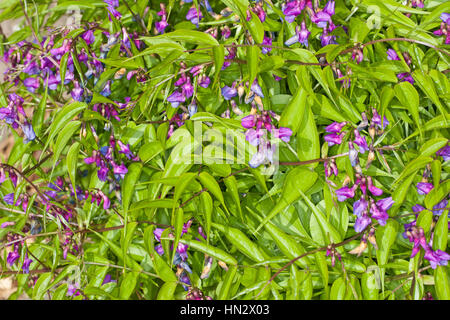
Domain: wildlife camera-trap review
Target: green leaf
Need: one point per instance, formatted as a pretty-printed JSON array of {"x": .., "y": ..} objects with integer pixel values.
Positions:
[
  {"x": 224, "y": 293},
  {"x": 441, "y": 282},
  {"x": 413, "y": 166},
  {"x": 290, "y": 248},
  {"x": 129, "y": 182},
  {"x": 63, "y": 138},
  {"x": 72, "y": 161},
  {"x": 441, "y": 233},
  {"x": 308, "y": 143},
  {"x": 297, "y": 179},
  {"x": 211, "y": 184},
  {"x": 232, "y": 187},
  {"x": 427, "y": 85},
  {"x": 210, "y": 250},
  {"x": 129, "y": 282},
  {"x": 189, "y": 36},
  {"x": 167, "y": 291},
  {"x": 40, "y": 288},
  {"x": 437, "y": 194},
  {"x": 408, "y": 96},
  {"x": 252, "y": 62},
  {"x": 241, "y": 242},
  {"x": 293, "y": 114},
  {"x": 430, "y": 147},
  {"x": 63, "y": 117}
]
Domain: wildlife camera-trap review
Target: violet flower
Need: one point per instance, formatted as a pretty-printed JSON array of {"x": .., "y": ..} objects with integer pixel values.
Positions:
[
  {"x": 360, "y": 206},
  {"x": 362, "y": 222},
  {"x": 32, "y": 84},
  {"x": 392, "y": 55},
  {"x": 360, "y": 142},
  {"x": 424, "y": 187},
  {"x": 301, "y": 36},
  {"x": 229, "y": 92},
  {"x": 333, "y": 139},
  {"x": 194, "y": 16},
  {"x": 26, "y": 264},
  {"x": 89, "y": 37},
  {"x": 335, "y": 127},
  {"x": 345, "y": 193},
  {"x": 267, "y": 41},
  {"x": 292, "y": 9},
  {"x": 176, "y": 98},
  {"x": 28, "y": 131},
  {"x": 444, "y": 153}
]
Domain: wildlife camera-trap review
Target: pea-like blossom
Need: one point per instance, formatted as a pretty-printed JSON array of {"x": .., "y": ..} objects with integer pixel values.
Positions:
[{"x": 424, "y": 187}]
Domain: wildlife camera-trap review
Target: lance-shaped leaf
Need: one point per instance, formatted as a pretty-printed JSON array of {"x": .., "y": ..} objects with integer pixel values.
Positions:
[{"x": 297, "y": 180}]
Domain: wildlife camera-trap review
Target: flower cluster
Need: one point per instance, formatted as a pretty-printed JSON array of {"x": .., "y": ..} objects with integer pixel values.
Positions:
[
  {"x": 258, "y": 126},
  {"x": 366, "y": 208},
  {"x": 180, "y": 254},
  {"x": 403, "y": 76},
  {"x": 104, "y": 159},
  {"x": 444, "y": 30},
  {"x": 14, "y": 115}
]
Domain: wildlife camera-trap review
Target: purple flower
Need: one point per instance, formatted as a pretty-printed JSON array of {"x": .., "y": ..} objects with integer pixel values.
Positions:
[
  {"x": 333, "y": 139},
  {"x": 176, "y": 98},
  {"x": 72, "y": 289},
  {"x": 263, "y": 155},
  {"x": 360, "y": 206},
  {"x": 252, "y": 136},
  {"x": 157, "y": 233},
  {"x": 26, "y": 264},
  {"x": 292, "y": 9},
  {"x": 28, "y": 132},
  {"x": 437, "y": 258},
  {"x": 418, "y": 208},
  {"x": 385, "y": 204},
  {"x": 345, "y": 193},
  {"x": 405, "y": 76},
  {"x": 108, "y": 279},
  {"x": 301, "y": 36},
  {"x": 203, "y": 81},
  {"x": 424, "y": 187},
  {"x": 335, "y": 127},
  {"x": 182, "y": 250},
  {"x": 362, "y": 222},
  {"x": 12, "y": 257},
  {"x": 187, "y": 88},
  {"x": 77, "y": 92},
  {"x": 7, "y": 224},
  {"x": 266, "y": 42},
  {"x": 327, "y": 39},
  {"x": 119, "y": 170},
  {"x": 377, "y": 213},
  {"x": 283, "y": 133},
  {"x": 88, "y": 36},
  {"x": 32, "y": 84},
  {"x": 360, "y": 142},
  {"x": 229, "y": 92},
  {"x": 106, "y": 92},
  {"x": 248, "y": 121},
  {"x": 376, "y": 119},
  {"x": 392, "y": 55},
  {"x": 439, "y": 208},
  {"x": 102, "y": 173},
  {"x": 257, "y": 89},
  {"x": 159, "y": 249},
  {"x": 194, "y": 16},
  {"x": 9, "y": 199},
  {"x": 374, "y": 190},
  {"x": 445, "y": 17},
  {"x": 444, "y": 153}
]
